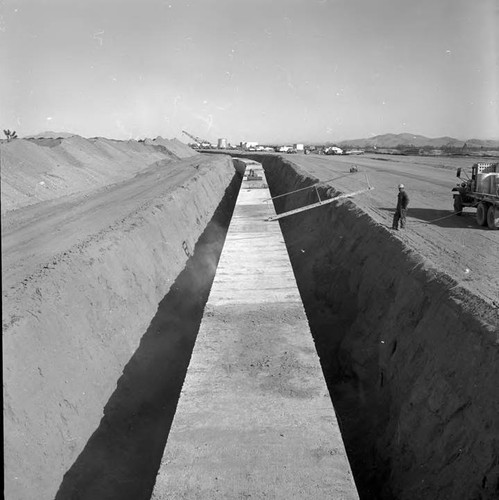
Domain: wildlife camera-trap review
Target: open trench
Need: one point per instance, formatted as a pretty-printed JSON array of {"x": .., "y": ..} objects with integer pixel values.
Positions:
[{"x": 410, "y": 359}]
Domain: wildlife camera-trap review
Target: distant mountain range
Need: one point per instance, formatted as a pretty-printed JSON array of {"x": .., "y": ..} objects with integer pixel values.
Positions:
[{"x": 419, "y": 141}]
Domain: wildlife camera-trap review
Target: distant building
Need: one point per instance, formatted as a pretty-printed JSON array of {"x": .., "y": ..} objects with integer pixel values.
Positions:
[
  {"x": 222, "y": 143},
  {"x": 249, "y": 145}
]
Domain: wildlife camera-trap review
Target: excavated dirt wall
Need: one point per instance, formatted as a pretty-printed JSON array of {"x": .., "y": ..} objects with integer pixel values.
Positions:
[
  {"x": 70, "y": 330},
  {"x": 410, "y": 358}
]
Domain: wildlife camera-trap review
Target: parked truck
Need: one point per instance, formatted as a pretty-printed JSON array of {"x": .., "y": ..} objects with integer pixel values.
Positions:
[{"x": 480, "y": 191}]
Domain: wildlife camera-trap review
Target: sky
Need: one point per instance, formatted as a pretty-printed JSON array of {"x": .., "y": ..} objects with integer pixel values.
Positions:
[{"x": 279, "y": 71}]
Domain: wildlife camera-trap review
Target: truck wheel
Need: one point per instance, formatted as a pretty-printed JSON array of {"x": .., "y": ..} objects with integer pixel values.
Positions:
[
  {"x": 493, "y": 217},
  {"x": 458, "y": 205},
  {"x": 481, "y": 214}
]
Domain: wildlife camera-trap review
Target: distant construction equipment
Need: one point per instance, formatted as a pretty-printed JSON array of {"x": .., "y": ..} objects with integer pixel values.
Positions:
[{"x": 200, "y": 143}]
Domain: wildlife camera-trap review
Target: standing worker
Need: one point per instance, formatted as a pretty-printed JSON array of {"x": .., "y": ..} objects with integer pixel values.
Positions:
[{"x": 401, "y": 210}]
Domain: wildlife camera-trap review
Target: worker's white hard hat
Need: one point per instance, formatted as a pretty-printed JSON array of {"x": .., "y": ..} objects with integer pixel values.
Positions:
[{"x": 401, "y": 186}]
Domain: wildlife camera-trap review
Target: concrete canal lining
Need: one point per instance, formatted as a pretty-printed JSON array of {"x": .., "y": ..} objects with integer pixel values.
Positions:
[{"x": 254, "y": 417}]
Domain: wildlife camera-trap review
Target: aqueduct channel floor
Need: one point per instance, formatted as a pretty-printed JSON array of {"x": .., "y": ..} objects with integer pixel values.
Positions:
[{"x": 254, "y": 418}]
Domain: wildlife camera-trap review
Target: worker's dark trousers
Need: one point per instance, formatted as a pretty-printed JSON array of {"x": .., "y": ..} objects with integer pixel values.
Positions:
[{"x": 399, "y": 216}]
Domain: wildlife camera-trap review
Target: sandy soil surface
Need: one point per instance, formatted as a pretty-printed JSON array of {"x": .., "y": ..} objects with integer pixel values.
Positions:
[{"x": 455, "y": 245}]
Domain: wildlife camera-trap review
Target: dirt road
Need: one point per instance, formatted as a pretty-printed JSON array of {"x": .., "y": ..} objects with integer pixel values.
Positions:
[
  {"x": 33, "y": 236},
  {"x": 455, "y": 245}
]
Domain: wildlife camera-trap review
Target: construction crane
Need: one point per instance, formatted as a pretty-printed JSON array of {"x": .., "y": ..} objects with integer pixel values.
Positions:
[{"x": 203, "y": 143}]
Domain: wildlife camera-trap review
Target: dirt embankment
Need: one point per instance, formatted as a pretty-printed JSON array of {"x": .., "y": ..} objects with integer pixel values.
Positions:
[
  {"x": 72, "y": 320},
  {"x": 410, "y": 356},
  {"x": 41, "y": 169},
  {"x": 171, "y": 146}
]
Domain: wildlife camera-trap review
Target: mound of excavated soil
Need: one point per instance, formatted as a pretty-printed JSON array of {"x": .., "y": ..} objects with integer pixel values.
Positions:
[
  {"x": 173, "y": 146},
  {"x": 85, "y": 263},
  {"x": 41, "y": 169}
]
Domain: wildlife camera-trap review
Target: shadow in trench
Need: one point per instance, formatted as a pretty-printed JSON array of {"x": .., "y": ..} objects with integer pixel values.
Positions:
[{"x": 121, "y": 459}]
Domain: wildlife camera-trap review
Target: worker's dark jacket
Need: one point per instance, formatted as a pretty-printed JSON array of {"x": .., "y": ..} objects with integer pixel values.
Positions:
[{"x": 403, "y": 201}]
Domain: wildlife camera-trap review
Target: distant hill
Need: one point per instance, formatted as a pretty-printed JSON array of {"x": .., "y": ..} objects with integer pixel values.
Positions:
[
  {"x": 415, "y": 140},
  {"x": 49, "y": 134}
]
